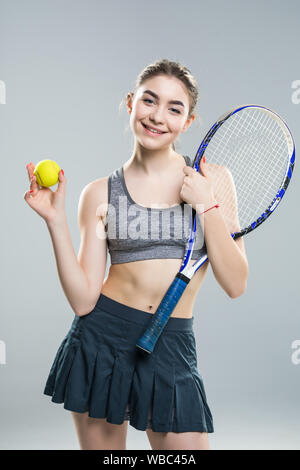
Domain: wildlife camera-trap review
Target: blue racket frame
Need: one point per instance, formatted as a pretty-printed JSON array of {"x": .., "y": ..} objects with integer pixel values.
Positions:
[{"x": 159, "y": 320}]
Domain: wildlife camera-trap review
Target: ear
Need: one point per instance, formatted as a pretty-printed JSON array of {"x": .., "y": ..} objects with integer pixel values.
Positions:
[
  {"x": 188, "y": 122},
  {"x": 129, "y": 99}
]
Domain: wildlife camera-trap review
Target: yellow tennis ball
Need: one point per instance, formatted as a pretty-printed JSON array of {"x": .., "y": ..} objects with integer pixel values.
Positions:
[{"x": 46, "y": 173}]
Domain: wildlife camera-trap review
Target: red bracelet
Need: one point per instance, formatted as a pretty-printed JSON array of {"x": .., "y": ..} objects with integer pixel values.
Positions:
[{"x": 216, "y": 205}]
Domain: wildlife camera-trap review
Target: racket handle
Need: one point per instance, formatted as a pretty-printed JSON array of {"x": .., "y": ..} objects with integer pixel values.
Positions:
[{"x": 162, "y": 314}]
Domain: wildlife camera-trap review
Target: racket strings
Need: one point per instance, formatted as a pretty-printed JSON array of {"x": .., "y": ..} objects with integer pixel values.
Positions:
[
  {"x": 248, "y": 185},
  {"x": 254, "y": 146}
]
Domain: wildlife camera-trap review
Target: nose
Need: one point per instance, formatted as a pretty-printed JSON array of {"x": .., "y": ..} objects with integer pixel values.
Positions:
[{"x": 157, "y": 116}]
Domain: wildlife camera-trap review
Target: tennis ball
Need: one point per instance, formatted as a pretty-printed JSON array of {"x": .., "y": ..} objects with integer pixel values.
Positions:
[{"x": 46, "y": 173}]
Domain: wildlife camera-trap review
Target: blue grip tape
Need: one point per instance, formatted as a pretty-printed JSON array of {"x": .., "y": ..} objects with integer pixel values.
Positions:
[{"x": 162, "y": 314}]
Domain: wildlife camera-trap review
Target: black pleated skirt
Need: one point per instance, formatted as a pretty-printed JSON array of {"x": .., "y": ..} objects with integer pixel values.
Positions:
[{"x": 99, "y": 369}]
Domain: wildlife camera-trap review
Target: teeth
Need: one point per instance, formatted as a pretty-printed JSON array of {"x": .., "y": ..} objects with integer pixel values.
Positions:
[{"x": 153, "y": 130}]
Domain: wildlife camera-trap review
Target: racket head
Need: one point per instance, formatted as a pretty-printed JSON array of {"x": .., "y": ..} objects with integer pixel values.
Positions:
[{"x": 250, "y": 155}]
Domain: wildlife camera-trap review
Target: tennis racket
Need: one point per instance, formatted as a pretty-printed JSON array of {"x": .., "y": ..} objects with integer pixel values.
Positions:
[{"x": 250, "y": 155}]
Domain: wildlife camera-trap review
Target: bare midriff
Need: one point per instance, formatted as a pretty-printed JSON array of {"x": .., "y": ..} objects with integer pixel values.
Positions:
[{"x": 143, "y": 284}]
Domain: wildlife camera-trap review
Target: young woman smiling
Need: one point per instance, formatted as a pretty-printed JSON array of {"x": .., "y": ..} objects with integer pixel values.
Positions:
[{"x": 98, "y": 373}]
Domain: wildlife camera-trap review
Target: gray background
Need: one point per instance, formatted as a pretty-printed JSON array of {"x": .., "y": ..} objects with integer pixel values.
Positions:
[{"x": 67, "y": 64}]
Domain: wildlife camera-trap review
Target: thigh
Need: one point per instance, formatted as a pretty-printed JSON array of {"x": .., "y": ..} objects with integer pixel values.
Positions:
[
  {"x": 98, "y": 434},
  {"x": 178, "y": 440}
]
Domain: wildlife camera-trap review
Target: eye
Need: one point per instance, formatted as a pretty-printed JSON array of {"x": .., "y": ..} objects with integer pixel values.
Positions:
[
  {"x": 147, "y": 99},
  {"x": 173, "y": 109}
]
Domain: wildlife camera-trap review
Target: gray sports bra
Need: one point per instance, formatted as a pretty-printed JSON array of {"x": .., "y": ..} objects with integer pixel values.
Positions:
[{"x": 136, "y": 232}]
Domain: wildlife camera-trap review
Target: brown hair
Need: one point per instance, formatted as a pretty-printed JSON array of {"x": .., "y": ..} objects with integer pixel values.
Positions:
[{"x": 171, "y": 69}]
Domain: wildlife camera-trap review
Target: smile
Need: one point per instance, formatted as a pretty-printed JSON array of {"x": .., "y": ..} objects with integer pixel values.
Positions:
[{"x": 151, "y": 131}]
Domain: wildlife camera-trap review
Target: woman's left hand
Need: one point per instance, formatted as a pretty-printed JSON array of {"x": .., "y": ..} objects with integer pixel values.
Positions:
[{"x": 197, "y": 189}]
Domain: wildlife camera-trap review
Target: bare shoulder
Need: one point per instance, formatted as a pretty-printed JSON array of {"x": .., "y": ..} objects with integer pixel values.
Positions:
[
  {"x": 98, "y": 188},
  {"x": 95, "y": 196},
  {"x": 221, "y": 177},
  {"x": 218, "y": 170}
]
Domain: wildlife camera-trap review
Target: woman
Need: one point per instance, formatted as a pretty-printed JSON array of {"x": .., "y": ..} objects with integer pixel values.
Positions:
[{"x": 98, "y": 372}]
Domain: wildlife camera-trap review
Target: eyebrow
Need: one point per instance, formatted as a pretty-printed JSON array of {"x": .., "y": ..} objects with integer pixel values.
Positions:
[{"x": 157, "y": 97}]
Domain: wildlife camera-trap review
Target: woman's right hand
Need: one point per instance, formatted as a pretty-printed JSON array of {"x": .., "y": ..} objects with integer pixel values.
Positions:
[{"x": 50, "y": 205}]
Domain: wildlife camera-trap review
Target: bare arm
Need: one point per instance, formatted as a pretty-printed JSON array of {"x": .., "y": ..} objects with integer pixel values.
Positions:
[
  {"x": 82, "y": 276},
  {"x": 227, "y": 256},
  {"x": 72, "y": 277},
  {"x": 92, "y": 255}
]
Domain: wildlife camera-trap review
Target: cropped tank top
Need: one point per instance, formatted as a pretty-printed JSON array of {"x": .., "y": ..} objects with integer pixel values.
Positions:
[{"x": 136, "y": 232}]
